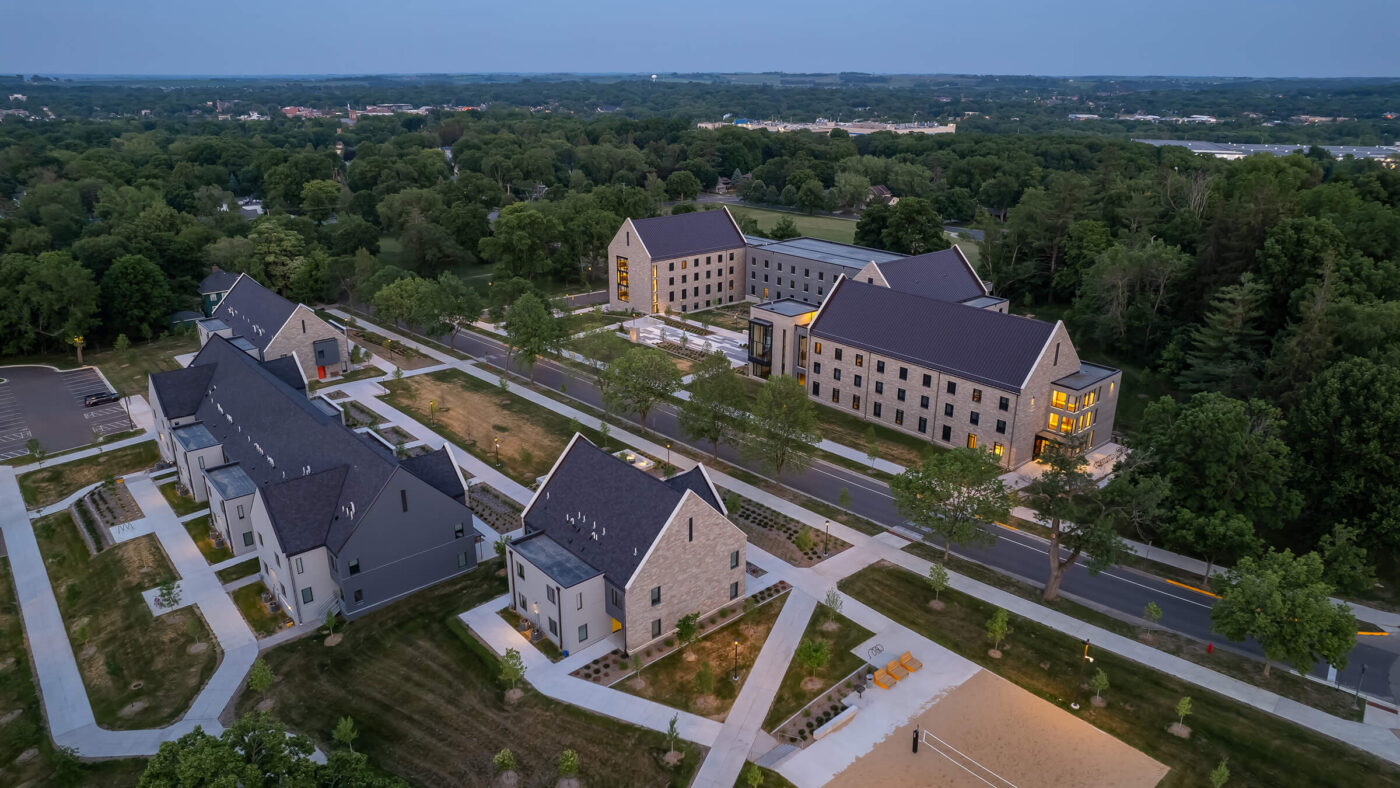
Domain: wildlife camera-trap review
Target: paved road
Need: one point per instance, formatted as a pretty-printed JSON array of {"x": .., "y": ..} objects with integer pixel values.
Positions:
[{"x": 1122, "y": 589}]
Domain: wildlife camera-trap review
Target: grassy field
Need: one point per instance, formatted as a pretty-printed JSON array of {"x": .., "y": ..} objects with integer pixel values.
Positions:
[
  {"x": 239, "y": 570},
  {"x": 672, "y": 679},
  {"x": 848, "y": 429},
  {"x": 605, "y": 346},
  {"x": 572, "y": 324},
  {"x": 1263, "y": 750},
  {"x": 831, "y": 228},
  {"x": 473, "y": 413},
  {"x": 798, "y": 688},
  {"x": 426, "y": 698},
  {"x": 129, "y": 372},
  {"x": 140, "y": 671},
  {"x": 182, "y": 504},
  {"x": 1319, "y": 696},
  {"x": 771, "y": 779},
  {"x": 55, "y": 482},
  {"x": 27, "y": 756},
  {"x": 198, "y": 529},
  {"x": 248, "y": 599}
]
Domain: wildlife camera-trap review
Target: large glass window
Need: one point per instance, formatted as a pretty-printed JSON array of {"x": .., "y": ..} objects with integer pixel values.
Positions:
[{"x": 622, "y": 279}]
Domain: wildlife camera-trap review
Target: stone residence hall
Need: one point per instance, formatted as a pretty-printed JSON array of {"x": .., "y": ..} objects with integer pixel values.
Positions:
[
  {"x": 267, "y": 326},
  {"x": 609, "y": 548},
  {"x": 335, "y": 520}
]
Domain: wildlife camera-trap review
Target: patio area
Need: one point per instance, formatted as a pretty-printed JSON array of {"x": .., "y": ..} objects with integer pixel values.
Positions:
[{"x": 648, "y": 330}]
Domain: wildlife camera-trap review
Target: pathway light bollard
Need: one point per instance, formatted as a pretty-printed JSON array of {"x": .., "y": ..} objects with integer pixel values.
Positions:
[
  {"x": 734, "y": 675},
  {"x": 497, "y": 441},
  {"x": 826, "y": 542}
]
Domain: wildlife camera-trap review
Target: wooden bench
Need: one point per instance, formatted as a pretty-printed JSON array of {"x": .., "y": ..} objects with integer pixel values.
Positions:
[
  {"x": 909, "y": 663},
  {"x": 897, "y": 670},
  {"x": 884, "y": 680}
]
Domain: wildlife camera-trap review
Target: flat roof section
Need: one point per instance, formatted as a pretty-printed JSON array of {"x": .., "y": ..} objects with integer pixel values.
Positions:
[
  {"x": 550, "y": 557},
  {"x": 231, "y": 481},
  {"x": 1088, "y": 375},
  {"x": 787, "y": 307},
  {"x": 820, "y": 251},
  {"x": 194, "y": 436},
  {"x": 213, "y": 324},
  {"x": 982, "y": 302}
]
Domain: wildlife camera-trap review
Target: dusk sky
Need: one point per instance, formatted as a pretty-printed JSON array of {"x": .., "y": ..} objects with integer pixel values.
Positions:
[{"x": 1133, "y": 37}]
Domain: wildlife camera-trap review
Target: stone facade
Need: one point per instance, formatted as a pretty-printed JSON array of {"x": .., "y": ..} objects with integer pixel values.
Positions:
[
  {"x": 681, "y": 284},
  {"x": 297, "y": 338},
  {"x": 693, "y": 564}
]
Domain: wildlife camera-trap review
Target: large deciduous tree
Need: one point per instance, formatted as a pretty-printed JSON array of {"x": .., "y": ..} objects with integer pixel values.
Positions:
[
  {"x": 784, "y": 428},
  {"x": 716, "y": 409},
  {"x": 531, "y": 330},
  {"x": 914, "y": 227},
  {"x": 640, "y": 379},
  {"x": 50, "y": 297},
  {"x": 954, "y": 494},
  {"x": 1283, "y": 602},
  {"x": 136, "y": 297},
  {"x": 521, "y": 240},
  {"x": 320, "y": 199}
]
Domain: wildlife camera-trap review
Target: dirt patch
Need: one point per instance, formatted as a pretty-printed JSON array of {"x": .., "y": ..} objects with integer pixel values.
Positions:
[
  {"x": 705, "y": 703},
  {"x": 334, "y": 640},
  {"x": 513, "y": 695},
  {"x": 1098, "y": 702},
  {"x": 88, "y": 652},
  {"x": 812, "y": 683},
  {"x": 1179, "y": 730},
  {"x": 265, "y": 704},
  {"x": 197, "y": 648},
  {"x": 994, "y": 653},
  {"x": 7, "y": 663},
  {"x": 673, "y": 758},
  {"x": 132, "y": 709},
  {"x": 507, "y": 780},
  {"x": 568, "y": 782},
  {"x": 830, "y": 626},
  {"x": 637, "y": 684},
  {"x": 935, "y": 604}
]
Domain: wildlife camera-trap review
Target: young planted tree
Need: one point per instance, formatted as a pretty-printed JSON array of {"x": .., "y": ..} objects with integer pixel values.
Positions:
[
  {"x": 1082, "y": 517},
  {"x": 1152, "y": 613},
  {"x": 260, "y": 676},
  {"x": 954, "y": 494},
  {"x": 673, "y": 729},
  {"x": 531, "y": 330},
  {"x": 832, "y": 604},
  {"x": 504, "y": 761},
  {"x": 1219, "y": 775},
  {"x": 568, "y": 763},
  {"x": 937, "y": 579},
  {"x": 35, "y": 450},
  {"x": 1098, "y": 683},
  {"x": 169, "y": 594},
  {"x": 872, "y": 443},
  {"x": 813, "y": 654},
  {"x": 998, "y": 627},
  {"x": 753, "y": 776},
  {"x": 345, "y": 732},
  {"x": 640, "y": 379},
  {"x": 512, "y": 668},
  {"x": 1183, "y": 709},
  {"x": 784, "y": 425},
  {"x": 687, "y": 628},
  {"x": 1283, "y": 602},
  {"x": 716, "y": 409}
]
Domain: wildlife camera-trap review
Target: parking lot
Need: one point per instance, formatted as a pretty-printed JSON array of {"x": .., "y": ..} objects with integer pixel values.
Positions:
[{"x": 47, "y": 405}]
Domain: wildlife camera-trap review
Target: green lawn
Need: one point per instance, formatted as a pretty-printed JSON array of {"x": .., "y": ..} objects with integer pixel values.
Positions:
[
  {"x": 845, "y": 427},
  {"x": 672, "y": 679},
  {"x": 427, "y": 701},
  {"x": 129, "y": 372},
  {"x": 26, "y": 730},
  {"x": 248, "y": 599},
  {"x": 1263, "y": 750},
  {"x": 831, "y": 228},
  {"x": 140, "y": 671},
  {"x": 771, "y": 779},
  {"x": 55, "y": 482},
  {"x": 572, "y": 324},
  {"x": 182, "y": 504},
  {"x": 26, "y": 459},
  {"x": 198, "y": 529},
  {"x": 843, "y": 634},
  {"x": 604, "y": 346},
  {"x": 239, "y": 570}
]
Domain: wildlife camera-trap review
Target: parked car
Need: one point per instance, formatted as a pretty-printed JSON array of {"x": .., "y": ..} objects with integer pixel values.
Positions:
[{"x": 105, "y": 397}]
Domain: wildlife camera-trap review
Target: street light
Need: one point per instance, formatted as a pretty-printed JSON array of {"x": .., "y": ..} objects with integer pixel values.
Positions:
[
  {"x": 1358, "y": 682},
  {"x": 497, "y": 441},
  {"x": 826, "y": 542},
  {"x": 668, "y": 452},
  {"x": 734, "y": 674}
]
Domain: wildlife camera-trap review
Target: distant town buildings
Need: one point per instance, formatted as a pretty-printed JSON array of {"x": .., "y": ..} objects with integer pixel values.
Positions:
[
  {"x": 825, "y": 125},
  {"x": 1390, "y": 155}
]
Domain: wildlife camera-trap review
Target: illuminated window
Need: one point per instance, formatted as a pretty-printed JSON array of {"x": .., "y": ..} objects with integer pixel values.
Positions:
[
  {"x": 977, "y": 395},
  {"x": 855, "y": 402},
  {"x": 997, "y": 449},
  {"x": 817, "y": 347},
  {"x": 836, "y": 395},
  {"x": 1066, "y": 425},
  {"x": 1057, "y": 400},
  {"x": 1054, "y": 421},
  {"x": 860, "y": 360},
  {"x": 898, "y": 416},
  {"x": 682, "y": 265},
  {"x": 622, "y": 290},
  {"x": 971, "y": 441},
  {"x": 1089, "y": 399}
]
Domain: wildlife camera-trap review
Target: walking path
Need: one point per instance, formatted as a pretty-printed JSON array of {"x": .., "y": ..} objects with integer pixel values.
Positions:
[
  {"x": 66, "y": 706},
  {"x": 1376, "y": 740}
]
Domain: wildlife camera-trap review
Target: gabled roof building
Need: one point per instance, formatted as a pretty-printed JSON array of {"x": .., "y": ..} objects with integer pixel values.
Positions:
[
  {"x": 336, "y": 521},
  {"x": 267, "y": 326},
  {"x": 610, "y": 548}
]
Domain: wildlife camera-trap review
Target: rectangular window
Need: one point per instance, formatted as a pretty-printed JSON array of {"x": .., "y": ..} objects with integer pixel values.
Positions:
[
  {"x": 816, "y": 388},
  {"x": 247, "y": 538},
  {"x": 278, "y": 558},
  {"x": 1058, "y": 400},
  {"x": 549, "y": 594},
  {"x": 460, "y": 531},
  {"x": 821, "y": 276},
  {"x": 947, "y": 409},
  {"x": 974, "y": 417},
  {"x": 880, "y": 367},
  {"x": 1054, "y": 421},
  {"x": 403, "y": 499},
  {"x": 306, "y": 596},
  {"x": 580, "y": 600},
  {"x": 875, "y": 409},
  {"x": 860, "y": 360},
  {"x": 1056, "y": 362},
  {"x": 923, "y": 402},
  {"x": 898, "y": 416},
  {"x": 300, "y": 568},
  {"x": 879, "y": 387},
  {"x": 656, "y": 627},
  {"x": 260, "y": 539},
  {"x": 855, "y": 402},
  {"x": 690, "y": 530},
  {"x": 923, "y": 424},
  {"x": 360, "y": 597},
  {"x": 622, "y": 279},
  {"x": 928, "y": 381},
  {"x": 523, "y": 605},
  {"x": 616, "y": 598},
  {"x": 1001, "y": 426},
  {"x": 858, "y": 381},
  {"x": 952, "y": 387},
  {"x": 461, "y": 560},
  {"x": 1004, "y": 404},
  {"x": 734, "y": 590},
  {"x": 817, "y": 347},
  {"x": 836, "y": 374},
  {"x": 998, "y": 449},
  {"x": 819, "y": 292},
  {"x": 947, "y": 433},
  {"x": 734, "y": 560},
  {"x": 977, "y": 395},
  {"x": 816, "y": 368},
  {"x": 582, "y": 632},
  {"x": 899, "y": 395},
  {"x": 682, "y": 265},
  {"x": 519, "y": 570},
  {"x": 553, "y": 627},
  {"x": 971, "y": 441},
  {"x": 903, "y": 373},
  {"x": 240, "y": 511},
  {"x": 838, "y": 354},
  {"x": 656, "y": 596},
  {"x": 836, "y": 395}
]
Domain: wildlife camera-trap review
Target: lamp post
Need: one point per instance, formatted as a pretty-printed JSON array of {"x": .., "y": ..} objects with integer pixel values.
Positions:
[
  {"x": 668, "y": 452},
  {"x": 1358, "y": 682},
  {"x": 826, "y": 541},
  {"x": 497, "y": 441},
  {"x": 734, "y": 674}
]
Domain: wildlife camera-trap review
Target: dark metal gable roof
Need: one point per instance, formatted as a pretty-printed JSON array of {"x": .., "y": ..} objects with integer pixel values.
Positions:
[
  {"x": 942, "y": 275},
  {"x": 181, "y": 390},
  {"x": 987, "y": 347},
  {"x": 590, "y": 491},
  {"x": 254, "y": 312},
  {"x": 688, "y": 234},
  {"x": 217, "y": 282},
  {"x": 436, "y": 469}
]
